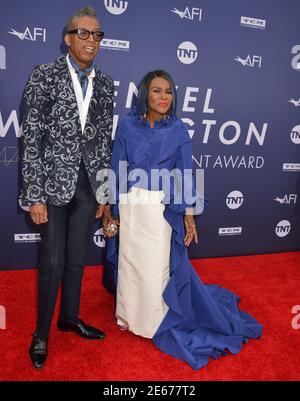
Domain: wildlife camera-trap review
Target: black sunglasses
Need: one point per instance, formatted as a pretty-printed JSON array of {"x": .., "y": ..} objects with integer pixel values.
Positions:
[{"x": 85, "y": 34}]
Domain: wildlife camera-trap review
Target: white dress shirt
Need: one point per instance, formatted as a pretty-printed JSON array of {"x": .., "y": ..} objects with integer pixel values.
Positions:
[{"x": 83, "y": 104}]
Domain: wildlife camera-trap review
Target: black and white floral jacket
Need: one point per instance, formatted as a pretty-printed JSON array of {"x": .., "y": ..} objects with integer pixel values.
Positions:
[{"x": 53, "y": 142}]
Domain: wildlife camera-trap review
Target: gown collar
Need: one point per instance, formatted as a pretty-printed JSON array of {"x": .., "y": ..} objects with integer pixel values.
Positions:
[{"x": 141, "y": 121}]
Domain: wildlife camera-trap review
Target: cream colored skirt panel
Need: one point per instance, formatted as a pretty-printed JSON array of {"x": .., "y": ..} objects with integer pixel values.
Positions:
[{"x": 144, "y": 267}]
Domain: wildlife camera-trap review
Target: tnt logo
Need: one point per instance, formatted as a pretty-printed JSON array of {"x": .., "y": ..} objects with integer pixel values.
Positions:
[
  {"x": 2, "y": 58},
  {"x": 187, "y": 52},
  {"x": 295, "y": 135},
  {"x": 283, "y": 228},
  {"x": 2, "y": 318},
  {"x": 99, "y": 238},
  {"x": 296, "y": 319},
  {"x": 234, "y": 200},
  {"x": 116, "y": 7}
]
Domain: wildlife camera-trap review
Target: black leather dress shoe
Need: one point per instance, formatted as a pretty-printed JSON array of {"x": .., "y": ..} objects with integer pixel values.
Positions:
[
  {"x": 38, "y": 351},
  {"x": 81, "y": 329}
]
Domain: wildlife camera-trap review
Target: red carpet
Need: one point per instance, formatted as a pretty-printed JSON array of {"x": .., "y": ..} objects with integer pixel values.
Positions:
[{"x": 267, "y": 284}]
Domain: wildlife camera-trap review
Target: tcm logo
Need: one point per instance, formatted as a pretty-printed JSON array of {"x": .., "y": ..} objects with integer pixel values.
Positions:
[
  {"x": 2, "y": 58},
  {"x": 283, "y": 228},
  {"x": 99, "y": 238},
  {"x": 296, "y": 58},
  {"x": 114, "y": 44},
  {"x": 32, "y": 237},
  {"x": 250, "y": 61},
  {"x": 253, "y": 22},
  {"x": 116, "y": 7},
  {"x": 230, "y": 231},
  {"x": 187, "y": 52},
  {"x": 295, "y": 135},
  {"x": 2, "y": 318},
  {"x": 33, "y": 36},
  {"x": 234, "y": 199},
  {"x": 287, "y": 199},
  {"x": 190, "y": 14},
  {"x": 296, "y": 319},
  {"x": 296, "y": 103},
  {"x": 291, "y": 167}
]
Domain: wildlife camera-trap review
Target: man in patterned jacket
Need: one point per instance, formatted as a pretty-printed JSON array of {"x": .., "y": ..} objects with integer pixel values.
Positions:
[{"x": 68, "y": 114}]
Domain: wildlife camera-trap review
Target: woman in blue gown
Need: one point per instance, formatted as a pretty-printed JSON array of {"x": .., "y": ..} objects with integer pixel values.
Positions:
[{"x": 158, "y": 293}]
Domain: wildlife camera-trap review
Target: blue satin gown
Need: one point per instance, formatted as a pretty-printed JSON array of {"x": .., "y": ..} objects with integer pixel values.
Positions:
[{"x": 203, "y": 321}]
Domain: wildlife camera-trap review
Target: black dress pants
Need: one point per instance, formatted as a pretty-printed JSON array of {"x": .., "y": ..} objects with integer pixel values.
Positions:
[{"x": 63, "y": 250}]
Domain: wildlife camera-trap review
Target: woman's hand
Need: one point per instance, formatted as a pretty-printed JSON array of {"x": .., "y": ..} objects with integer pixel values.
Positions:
[
  {"x": 191, "y": 231},
  {"x": 110, "y": 224}
]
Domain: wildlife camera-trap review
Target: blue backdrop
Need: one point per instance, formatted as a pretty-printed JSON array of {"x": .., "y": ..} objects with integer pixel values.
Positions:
[{"x": 237, "y": 68}]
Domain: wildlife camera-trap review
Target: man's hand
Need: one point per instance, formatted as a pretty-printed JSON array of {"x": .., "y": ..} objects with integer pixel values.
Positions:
[
  {"x": 38, "y": 213},
  {"x": 191, "y": 231},
  {"x": 100, "y": 211}
]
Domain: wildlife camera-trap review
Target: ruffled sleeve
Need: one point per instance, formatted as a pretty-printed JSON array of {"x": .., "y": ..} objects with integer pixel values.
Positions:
[
  {"x": 187, "y": 191},
  {"x": 117, "y": 176}
]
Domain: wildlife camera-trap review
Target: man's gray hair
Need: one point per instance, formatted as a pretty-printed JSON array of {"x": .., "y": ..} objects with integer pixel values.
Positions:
[{"x": 87, "y": 11}]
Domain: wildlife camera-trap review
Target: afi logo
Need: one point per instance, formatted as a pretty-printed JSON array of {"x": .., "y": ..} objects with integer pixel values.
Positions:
[
  {"x": 283, "y": 228},
  {"x": 33, "y": 36},
  {"x": 116, "y": 7},
  {"x": 2, "y": 318},
  {"x": 234, "y": 199},
  {"x": 296, "y": 103},
  {"x": 2, "y": 58},
  {"x": 189, "y": 14},
  {"x": 295, "y": 135},
  {"x": 254, "y": 61},
  {"x": 296, "y": 319},
  {"x": 287, "y": 199},
  {"x": 187, "y": 52},
  {"x": 99, "y": 238},
  {"x": 296, "y": 58}
]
